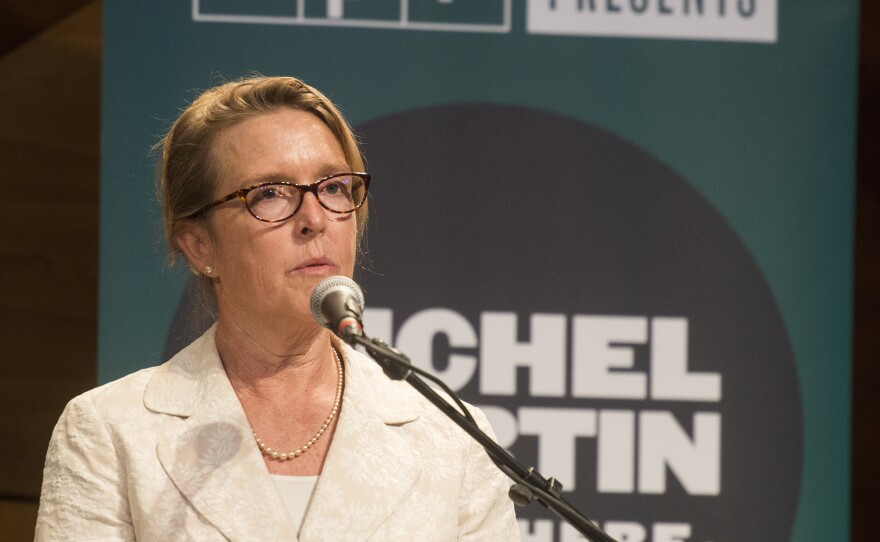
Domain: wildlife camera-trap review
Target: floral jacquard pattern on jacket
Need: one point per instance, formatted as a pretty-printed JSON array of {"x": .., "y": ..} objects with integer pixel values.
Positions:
[{"x": 167, "y": 454}]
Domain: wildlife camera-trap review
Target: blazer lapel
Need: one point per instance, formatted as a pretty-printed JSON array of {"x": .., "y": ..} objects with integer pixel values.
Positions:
[
  {"x": 371, "y": 466},
  {"x": 212, "y": 459}
]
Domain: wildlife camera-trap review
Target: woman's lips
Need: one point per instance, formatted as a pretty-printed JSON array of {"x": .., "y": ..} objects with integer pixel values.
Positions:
[{"x": 316, "y": 267}]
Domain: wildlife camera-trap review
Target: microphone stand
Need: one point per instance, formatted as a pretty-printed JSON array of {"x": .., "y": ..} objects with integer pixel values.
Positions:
[{"x": 529, "y": 484}]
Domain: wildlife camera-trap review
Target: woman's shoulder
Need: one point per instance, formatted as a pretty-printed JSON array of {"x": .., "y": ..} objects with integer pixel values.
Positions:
[
  {"x": 399, "y": 396},
  {"x": 366, "y": 375},
  {"x": 135, "y": 388},
  {"x": 127, "y": 390},
  {"x": 128, "y": 393}
]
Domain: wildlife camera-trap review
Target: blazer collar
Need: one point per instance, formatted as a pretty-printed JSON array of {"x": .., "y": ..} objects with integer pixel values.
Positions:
[
  {"x": 371, "y": 466},
  {"x": 214, "y": 462},
  {"x": 212, "y": 457}
]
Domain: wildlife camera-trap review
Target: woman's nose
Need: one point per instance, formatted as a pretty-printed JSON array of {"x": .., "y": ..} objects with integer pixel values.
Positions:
[{"x": 311, "y": 217}]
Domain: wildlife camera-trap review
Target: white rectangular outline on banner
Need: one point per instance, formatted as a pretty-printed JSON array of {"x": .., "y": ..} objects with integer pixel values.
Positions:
[
  {"x": 558, "y": 18},
  {"x": 403, "y": 24}
]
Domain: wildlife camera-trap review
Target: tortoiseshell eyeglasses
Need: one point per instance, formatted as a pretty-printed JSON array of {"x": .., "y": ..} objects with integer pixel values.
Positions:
[{"x": 276, "y": 201}]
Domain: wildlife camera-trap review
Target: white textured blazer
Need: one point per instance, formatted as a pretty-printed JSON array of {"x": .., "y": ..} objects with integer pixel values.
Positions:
[{"x": 167, "y": 454}]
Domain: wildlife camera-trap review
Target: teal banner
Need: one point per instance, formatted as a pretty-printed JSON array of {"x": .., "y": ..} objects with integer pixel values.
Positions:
[{"x": 623, "y": 228}]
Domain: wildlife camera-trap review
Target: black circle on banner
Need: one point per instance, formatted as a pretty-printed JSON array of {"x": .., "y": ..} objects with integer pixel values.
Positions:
[
  {"x": 498, "y": 208},
  {"x": 481, "y": 207}
]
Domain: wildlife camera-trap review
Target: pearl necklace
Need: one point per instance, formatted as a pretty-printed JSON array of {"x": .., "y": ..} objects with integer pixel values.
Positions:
[{"x": 340, "y": 384}]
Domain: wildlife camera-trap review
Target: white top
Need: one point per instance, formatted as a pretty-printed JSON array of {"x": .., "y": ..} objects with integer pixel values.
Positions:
[{"x": 296, "y": 493}]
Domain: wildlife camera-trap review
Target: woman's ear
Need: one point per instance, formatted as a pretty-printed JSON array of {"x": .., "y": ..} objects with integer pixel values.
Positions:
[{"x": 196, "y": 243}]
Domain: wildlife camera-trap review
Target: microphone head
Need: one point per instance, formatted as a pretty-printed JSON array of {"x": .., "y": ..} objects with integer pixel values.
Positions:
[{"x": 336, "y": 283}]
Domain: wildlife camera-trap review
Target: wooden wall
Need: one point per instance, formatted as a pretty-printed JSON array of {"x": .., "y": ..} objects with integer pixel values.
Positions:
[
  {"x": 865, "y": 468},
  {"x": 50, "y": 111},
  {"x": 49, "y": 161}
]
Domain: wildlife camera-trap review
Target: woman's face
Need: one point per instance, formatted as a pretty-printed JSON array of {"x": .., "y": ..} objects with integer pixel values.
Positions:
[{"x": 265, "y": 272}]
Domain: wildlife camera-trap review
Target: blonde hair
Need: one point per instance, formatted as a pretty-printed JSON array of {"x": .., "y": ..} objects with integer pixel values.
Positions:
[{"x": 186, "y": 178}]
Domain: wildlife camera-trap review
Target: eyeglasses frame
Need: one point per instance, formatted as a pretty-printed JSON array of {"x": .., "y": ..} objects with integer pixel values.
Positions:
[{"x": 303, "y": 189}]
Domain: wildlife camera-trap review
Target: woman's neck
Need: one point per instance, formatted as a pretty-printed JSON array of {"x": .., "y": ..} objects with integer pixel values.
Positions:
[
  {"x": 288, "y": 389},
  {"x": 261, "y": 361}
]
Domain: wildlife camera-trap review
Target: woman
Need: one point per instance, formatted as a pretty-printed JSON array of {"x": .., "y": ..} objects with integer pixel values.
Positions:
[{"x": 266, "y": 427}]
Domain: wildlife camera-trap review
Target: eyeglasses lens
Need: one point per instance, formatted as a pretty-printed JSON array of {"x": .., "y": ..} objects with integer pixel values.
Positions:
[
  {"x": 342, "y": 194},
  {"x": 278, "y": 201}
]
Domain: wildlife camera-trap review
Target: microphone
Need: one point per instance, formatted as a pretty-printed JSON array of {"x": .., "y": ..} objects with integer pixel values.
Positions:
[{"x": 338, "y": 304}]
